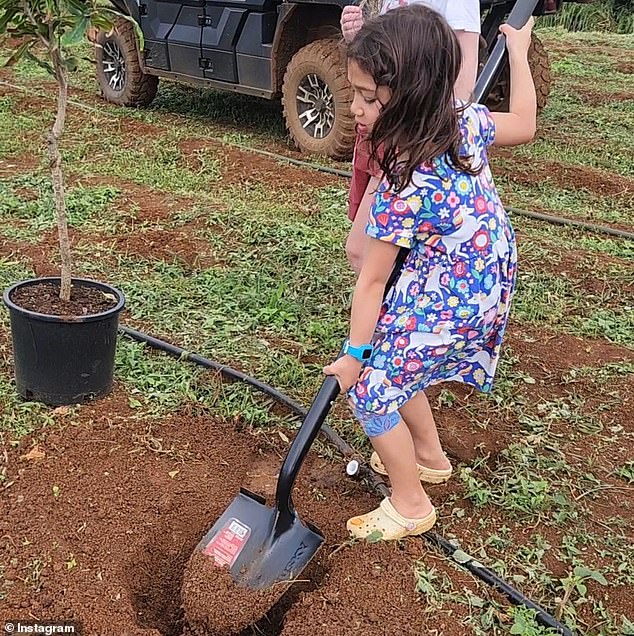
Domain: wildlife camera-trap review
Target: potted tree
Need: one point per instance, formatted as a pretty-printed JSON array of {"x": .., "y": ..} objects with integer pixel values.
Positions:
[{"x": 64, "y": 329}]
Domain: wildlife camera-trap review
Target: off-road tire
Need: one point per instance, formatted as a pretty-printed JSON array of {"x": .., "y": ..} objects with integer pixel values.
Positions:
[
  {"x": 138, "y": 89},
  {"x": 539, "y": 63},
  {"x": 322, "y": 59}
]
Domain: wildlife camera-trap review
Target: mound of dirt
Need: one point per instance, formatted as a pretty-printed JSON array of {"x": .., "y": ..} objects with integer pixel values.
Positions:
[{"x": 214, "y": 605}]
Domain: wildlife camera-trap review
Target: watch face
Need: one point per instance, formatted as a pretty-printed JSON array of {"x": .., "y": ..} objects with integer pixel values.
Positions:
[{"x": 367, "y": 353}]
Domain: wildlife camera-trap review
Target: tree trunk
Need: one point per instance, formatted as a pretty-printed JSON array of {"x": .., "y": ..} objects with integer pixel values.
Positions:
[{"x": 55, "y": 162}]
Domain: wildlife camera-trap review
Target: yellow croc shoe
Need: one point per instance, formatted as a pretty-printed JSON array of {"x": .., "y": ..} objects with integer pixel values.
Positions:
[
  {"x": 428, "y": 475},
  {"x": 386, "y": 524}
]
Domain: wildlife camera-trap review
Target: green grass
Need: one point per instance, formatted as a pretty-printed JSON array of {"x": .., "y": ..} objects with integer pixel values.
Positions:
[{"x": 603, "y": 15}]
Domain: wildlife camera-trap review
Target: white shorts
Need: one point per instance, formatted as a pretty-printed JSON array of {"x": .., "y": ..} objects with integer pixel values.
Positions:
[{"x": 461, "y": 15}]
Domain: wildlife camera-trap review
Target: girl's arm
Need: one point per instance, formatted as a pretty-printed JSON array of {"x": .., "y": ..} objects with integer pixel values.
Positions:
[
  {"x": 519, "y": 124},
  {"x": 366, "y": 305}
]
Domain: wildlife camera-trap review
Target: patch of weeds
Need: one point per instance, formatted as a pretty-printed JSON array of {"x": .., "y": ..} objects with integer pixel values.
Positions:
[
  {"x": 612, "y": 246},
  {"x": 509, "y": 377},
  {"x": 524, "y": 484},
  {"x": 431, "y": 584},
  {"x": 160, "y": 167},
  {"x": 159, "y": 384},
  {"x": 202, "y": 107},
  {"x": 11, "y": 271},
  {"x": 156, "y": 383},
  {"x": 573, "y": 202},
  {"x": 626, "y": 472},
  {"x": 525, "y": 623},
  {"x": 33, "y": 574},
  {"x": 567, "y": 410},
  {"x": 574, "y": 593},
  {"x": 564, "y": 238},
  {"x": 37, "y": 213},
  {"x": 542, "y": 298},
  {"x": 616, "y": 326},
  {"x": 605, "y": 374}
]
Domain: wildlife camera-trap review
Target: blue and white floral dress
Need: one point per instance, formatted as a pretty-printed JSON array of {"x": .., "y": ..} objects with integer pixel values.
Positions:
[{"x": 445, "y": 317}]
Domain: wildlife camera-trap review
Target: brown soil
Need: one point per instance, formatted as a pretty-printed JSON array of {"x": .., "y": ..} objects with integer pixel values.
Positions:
[
  {"x": 146, "y": 205},
  {"x": 627, "y": 68},
  {"x": 526, "y": 172},
  {"x": 100, "y": 515},
  {"x": 241, "y": 167},
  {"x": 179, "y": 244},
  {"x": 44, "y": 298},
  {"x": 17, "y": 164},
  {"x": 593, "y": 97},
  {"x": 214, "y": 605}
]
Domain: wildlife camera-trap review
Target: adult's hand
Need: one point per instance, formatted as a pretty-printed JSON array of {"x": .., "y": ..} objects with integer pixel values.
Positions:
[{"x": 351, "y": 21}]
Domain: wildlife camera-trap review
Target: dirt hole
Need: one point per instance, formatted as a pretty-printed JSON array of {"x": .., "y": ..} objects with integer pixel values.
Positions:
[{"x": 156, "y": 577}]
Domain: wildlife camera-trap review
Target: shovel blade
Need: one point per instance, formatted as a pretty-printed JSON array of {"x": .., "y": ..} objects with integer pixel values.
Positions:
[{"x": 248, "y": 539}]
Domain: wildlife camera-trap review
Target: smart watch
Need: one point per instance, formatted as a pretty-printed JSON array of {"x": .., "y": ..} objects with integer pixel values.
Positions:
[{"x": 360, "y": 353}]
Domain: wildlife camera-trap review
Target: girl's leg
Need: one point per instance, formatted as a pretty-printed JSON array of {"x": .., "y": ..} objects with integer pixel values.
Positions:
[
  {"x": 357, "y": 240},
  {"x": 396, "y": 449},
  {"x": 420, "y": 421},
  {"x": 470, "y": 46}
]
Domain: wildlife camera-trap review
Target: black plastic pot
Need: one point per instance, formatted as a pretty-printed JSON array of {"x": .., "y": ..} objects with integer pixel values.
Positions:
[{"x": 60, "y": 359}]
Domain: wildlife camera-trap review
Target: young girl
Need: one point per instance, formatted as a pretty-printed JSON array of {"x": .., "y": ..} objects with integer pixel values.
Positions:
[
  {"x": 464, "y": 18},
  {"x": 444, "y": 319}
]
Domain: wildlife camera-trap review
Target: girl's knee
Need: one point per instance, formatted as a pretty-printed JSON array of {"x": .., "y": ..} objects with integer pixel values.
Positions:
[{"x": 354, "y": 252}]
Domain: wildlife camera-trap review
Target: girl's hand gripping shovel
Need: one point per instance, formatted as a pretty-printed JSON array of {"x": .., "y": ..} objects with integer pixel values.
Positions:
[{"x": 520, "y": 13}]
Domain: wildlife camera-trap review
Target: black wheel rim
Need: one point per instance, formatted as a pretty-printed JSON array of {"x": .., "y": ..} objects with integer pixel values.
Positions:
[
  {"x": 113, "y": 64},
  {"x": 315, "y": 106}
]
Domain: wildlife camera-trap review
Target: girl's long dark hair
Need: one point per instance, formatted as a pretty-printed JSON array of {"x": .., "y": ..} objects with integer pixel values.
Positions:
[{"x": 413, "y": 51}]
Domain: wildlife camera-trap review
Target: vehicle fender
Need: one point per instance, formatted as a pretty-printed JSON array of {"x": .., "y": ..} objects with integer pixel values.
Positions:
[
  {"x": 131, "y": 8},
  {"x": 299, "y": 24}
]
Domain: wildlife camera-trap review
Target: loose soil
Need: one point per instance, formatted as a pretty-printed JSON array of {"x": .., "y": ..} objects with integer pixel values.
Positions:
[
  {"x": 528, "y": 172},
  {"x": 101, "y": 513},
  {"x": 143, "y": 204},
  {"x": 44, "y": 298},
  {"x": 214, "y": 605}
]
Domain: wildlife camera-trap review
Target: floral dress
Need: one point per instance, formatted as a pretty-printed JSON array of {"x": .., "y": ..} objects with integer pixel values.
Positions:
[{"x": 445, "y": 317}]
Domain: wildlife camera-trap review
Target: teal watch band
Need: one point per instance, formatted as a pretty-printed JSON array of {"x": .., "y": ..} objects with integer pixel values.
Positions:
[{"x": 361, "y": 353}]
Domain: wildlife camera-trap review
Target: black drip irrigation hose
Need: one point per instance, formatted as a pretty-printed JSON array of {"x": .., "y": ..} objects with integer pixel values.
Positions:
[
  {"x": 363, "y": 471},
  {"x": 541, "y": 216}
]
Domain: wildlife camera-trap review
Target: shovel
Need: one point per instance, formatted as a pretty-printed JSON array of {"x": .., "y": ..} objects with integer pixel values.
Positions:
[{"x": 264, "y": 545}]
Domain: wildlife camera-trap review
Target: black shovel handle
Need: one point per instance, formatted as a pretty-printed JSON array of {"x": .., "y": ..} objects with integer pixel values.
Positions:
[
  {"x": 520, "y": 13},
  {"x": 310, "y": 427}
]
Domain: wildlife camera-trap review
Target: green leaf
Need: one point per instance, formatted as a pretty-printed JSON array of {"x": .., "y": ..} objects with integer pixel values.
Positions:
[
  {"x": 599, "y": 578},
  {"x": 374, "y": 537},
  {"x": 19, "y": 53},
  {"x": 45, "y": 65},
  {"x": 77, "y": 33},
  {"x": 7, "y": 17},
  {"x": 627, "y": 627},
  {"x": 461, "y": 557}
]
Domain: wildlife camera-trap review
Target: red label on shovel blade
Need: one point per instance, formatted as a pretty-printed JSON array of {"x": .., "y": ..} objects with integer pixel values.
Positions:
[{"x": 228, "y": 543}]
